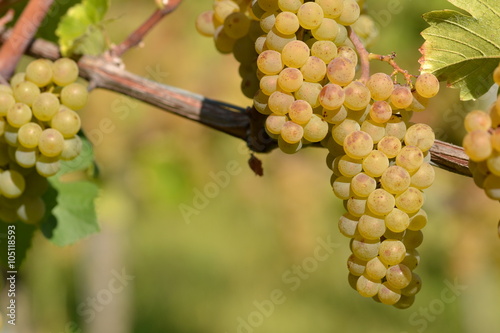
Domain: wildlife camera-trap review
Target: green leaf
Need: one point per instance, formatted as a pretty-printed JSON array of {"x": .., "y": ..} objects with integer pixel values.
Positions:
[
  {"x": 463, "y": 49},
  {"x": 70, "y": 204},
  {"x": 80, "y": 31}
]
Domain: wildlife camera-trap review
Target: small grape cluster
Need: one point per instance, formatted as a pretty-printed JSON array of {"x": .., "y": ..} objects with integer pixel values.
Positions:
[
  {"x": 38, "y": 129},
  {"x": 482, "y": 145},
  {"x": 299, "y": 65}
]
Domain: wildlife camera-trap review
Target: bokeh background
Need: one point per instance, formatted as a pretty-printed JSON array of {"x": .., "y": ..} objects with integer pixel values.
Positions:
[{"x": 218, "y": 270}]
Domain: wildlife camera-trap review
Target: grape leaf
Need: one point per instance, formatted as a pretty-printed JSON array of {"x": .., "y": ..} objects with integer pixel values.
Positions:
[
  {"x": 81, "y": 31},
  {"x": 70, "y": 204},
  {"x": 463, "y": 49}
]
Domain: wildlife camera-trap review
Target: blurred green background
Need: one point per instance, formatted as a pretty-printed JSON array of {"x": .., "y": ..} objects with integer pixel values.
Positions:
[{"x": 149, "y": 270}]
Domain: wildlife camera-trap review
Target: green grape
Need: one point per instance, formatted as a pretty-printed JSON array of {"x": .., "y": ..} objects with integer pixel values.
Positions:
[
  {"x": 331, "y": 8},
  {"x": 236, "y": 25},
  {"x": 64, "y": 71},
  {"x": 421, "y": 136},
  {"x": 395, "y": 179},
  {"x": 244, "y": 52},
  {"x": 327, "y": 30},
  {"x": 334, "y": 116},
  {"x": 279, "y": 102},
  {"x": 390, "y": 146},
  {"x": 295, "y": 54},
  {"x": 260, "y": 101},
  {"x": 269, "y": 62},
  {"x": 375, "y": 269},
  {"x": 32, "y": 210},
  {"x": 414, "y": 287},
  {"x": 268, "y": 5},
  {"x": 292, "y": 132},
  {"x": 345, "y": 128},
  {"x": 412, "y": 259},
  {"x": 6, "y": 89},
  {"x": 277, "y": 41},
  {"x": 36, "y": 185},
  {"x": 350, "y": 13},
  {"x": 375, "y": 163},
  {"x": 260, "y": 44},
  {"x": 26, "y": 92},
  {"x": 348, "y": 166},
  {"x": 410, "y": 201},
  {"x": 342, "y": 188},
  {"x": 348, "y": 225},
  {"x": 380, "y": 112},
  {"x": 18, "y": 115},
  {"x": 6, "y": 102},
  {"x": 224, "y": 8},
  {"x": 39, "y": 72},
  {"x": 492, "y": 186},
  {"x": 376, "y": 131},
  {"x": 493, "y": 163},
  {"x": 387, "y": 294},
  {"x": 355, "y": 205},
  {"x": 71, "y": 149},
  {"x": 357, "y": 96},
  {"x": 477, "y": 145},
  {"x": 274, "y": 123},
  {"x": 380, "y": 86},
  {"x": 392, "y": 251},
  {"x": 223, "y": 43},
  {"x": 495, "y": 139},
  {"x": 401, "y": 97},
  {"x": 381, "y": 202},
  {"x": 348, "y": 53},
  {"x": 316, "y": 129},
  {"x": 249, "y": 86},
  {"x": 341, "y": 71},
  {"x": 310, "y": 15},
  {"x": 309, "y": 92},
  {"x": 355, "y": 265},
  {"x": 367, "y": 287},
  {"x": 29, "y": 134},
  {"x": 413, "y": 239},
  {"x": 16, "y": 79},
  {"x": 45, "y": 106},
  {"x": 418, "y": 220},
  {"x": 10, "y": 135},
  {"x": 300, "y": 112},
  {"x": 427, "y": 85},
  {"x": 74, "y": 96},
  {"x": 365, "y": 249},
  {"x": 290, "y": 79},
  {"x": 396, "y": 127},
  {"x": 371, "y": 227},
  {"x": 25, "y": 157},
  {"x": 314, "y": 70},
  {"x": 477, "y": 120},
  {"x": 358, "y": 144},
  {"x": 325, "y": 50},
  {"x": 51, "y": 142},
  {"x": 423, "y": 177},
  {"x": 47, "y": 166},
  {"x": 289, "y": 148},
  {"x": 362, "y": 185},
  {"x": 404, "y": 302},
  {"x": 397, "y": 220},
  {"x": 12, "y": 184},
  {"x": 290, "y": 5},
  {"x": 67, "y": 122},
  {"x": 204, "y": 24},
  {"x": 4, "y": 155},
  {"x": 287, "y": 23},
  {"x": 332, "y": 96},
  {"x": 399, "y": 276},
  {"x": 352, "y": 280},
  {"x": 267, "y": 21},
  {"x": 341, "y": 35}
]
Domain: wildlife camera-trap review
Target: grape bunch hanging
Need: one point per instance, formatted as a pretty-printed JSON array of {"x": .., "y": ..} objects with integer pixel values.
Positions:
[
  {"x": 299, "y": 64},
  {"x": 38, "y": 129}
]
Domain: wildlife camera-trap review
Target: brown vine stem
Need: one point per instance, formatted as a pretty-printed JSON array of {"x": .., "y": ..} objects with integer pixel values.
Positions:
[
  {"x": 22, "y": 33},
  {"x": 138, "y": 35},
  {"x": 363, "y": 55},
  {"x": 233, "y": 120},
  {"x": 390, "y": 59}
]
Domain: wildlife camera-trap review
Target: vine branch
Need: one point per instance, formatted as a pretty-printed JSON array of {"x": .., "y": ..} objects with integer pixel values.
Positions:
[
  {"x": 22, "y": 34},
  {"x": 245, "y": 124}
]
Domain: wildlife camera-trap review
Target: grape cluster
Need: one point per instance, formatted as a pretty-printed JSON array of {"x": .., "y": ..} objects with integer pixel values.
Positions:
[
  {"x": 482, "y": 145},
  {"x": 299, "y": 65},
  {"x": 38, "y": 129}
]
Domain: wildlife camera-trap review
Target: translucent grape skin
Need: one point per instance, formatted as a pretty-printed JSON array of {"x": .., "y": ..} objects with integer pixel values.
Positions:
[
  {"x": 427, "y": 85},
  {"x": 51, "y": 142},
  {"x": 39, "y": 72},
  {"x": 74, "y": 96}
]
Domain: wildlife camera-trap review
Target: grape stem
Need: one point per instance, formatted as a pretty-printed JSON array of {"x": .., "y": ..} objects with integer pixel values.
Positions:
[
  {"x": 245, "y": 124},
  {"x": 22, "y": 34},
  {"x": 390, "y": 60},
  {"x": 138, "y": 35}
]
